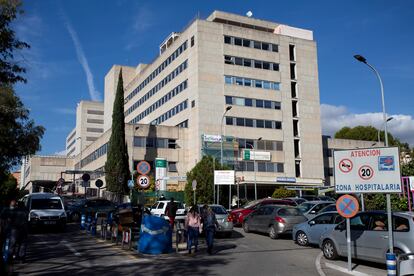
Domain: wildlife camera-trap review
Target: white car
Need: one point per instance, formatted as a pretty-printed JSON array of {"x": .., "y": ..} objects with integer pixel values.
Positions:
[
  {"x": 159, "y": 207},
  {"x": 45, "y": 209}
]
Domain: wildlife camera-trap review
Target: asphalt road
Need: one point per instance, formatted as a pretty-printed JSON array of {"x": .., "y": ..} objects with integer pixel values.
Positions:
[{"x": 73, "y": 253}]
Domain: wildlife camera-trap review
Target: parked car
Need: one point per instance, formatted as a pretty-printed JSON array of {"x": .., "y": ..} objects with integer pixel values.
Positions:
[
  {"x": 159, "y": 207},
  {"x": 45, "y": 209},
  {"x": 239, "y": 214},
  {"x": 309, "y": 232},
  {"x": 311, "y": 208},
  {"x": 273, "y": 219},
  {"x": 297, "y": 200},
  {"x": 89, "y": 206},
  {"x": 328, "y": 208},
  {"x": 369, "y": 236},
  {"x": 223, "y": 218}
]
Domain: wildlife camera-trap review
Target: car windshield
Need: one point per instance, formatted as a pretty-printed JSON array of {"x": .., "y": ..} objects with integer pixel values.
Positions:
[
  {"x": 306, "y": 206},
  {"x": 46, "y": 203},
  {"x": 250, "y": 204},
  {"x": 218, "y": 210},
  {"x": 289, "y": 212}
]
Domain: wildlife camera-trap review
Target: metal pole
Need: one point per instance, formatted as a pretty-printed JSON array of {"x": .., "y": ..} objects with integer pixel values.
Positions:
[
  {"x": 348, "y": 243},
  {"x": 362, "y": 202},
  {"x": 238, "y": 194},
  {"x": 384, "y": 116},
  {"x": 221, "y": 149},
  {"x": 194, "y": 197},
  {"x": 214, "y": 185}
]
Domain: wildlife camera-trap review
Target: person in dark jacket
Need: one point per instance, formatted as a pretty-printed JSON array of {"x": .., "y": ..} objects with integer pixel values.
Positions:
[
  {"x": 171, "y": 211},
  {"x": 209, "y": 226}
]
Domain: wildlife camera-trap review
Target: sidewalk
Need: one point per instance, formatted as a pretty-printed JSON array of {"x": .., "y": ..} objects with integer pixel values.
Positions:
[{"x": 340, "y": 267}]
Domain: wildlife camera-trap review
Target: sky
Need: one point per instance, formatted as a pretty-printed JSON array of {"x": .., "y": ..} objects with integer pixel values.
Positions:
[{"x": 75, "y": 43}]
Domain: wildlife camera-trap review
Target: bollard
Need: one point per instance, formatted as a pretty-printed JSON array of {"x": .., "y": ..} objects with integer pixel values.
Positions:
[
  {"x": 82, "y": 225},
  {"x": 6, "y": 250},
  {"x": 88, "y": 223},
  {"x": 391, "y": 264}
]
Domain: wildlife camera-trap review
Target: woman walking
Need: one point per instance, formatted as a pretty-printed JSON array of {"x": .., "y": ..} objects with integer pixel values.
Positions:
[{"x": 192, "y": 224}]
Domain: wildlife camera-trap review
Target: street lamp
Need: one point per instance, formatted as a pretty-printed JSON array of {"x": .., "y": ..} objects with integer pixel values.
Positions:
[
  {"x": 221, "y": 148},
  {"x": 384, "y": 116},
  {"x": 254, "y": 166},
  {"x": 80, "y": 162},
  {"x": 132, "y": 151},
  {"x": 379, "y": 130}
]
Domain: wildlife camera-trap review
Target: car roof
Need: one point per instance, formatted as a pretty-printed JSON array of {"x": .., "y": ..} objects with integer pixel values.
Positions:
[
  {"x": 43, "y": 196},
  {"x": 319, "y": 201}
]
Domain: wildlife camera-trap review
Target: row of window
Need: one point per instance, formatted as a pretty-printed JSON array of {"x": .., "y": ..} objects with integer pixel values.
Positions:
[
  {"x": 251, "y": 43},
  {"x": 152, "y": 142},
  {"x": 247, "y": 62},
  {"x": 161, "y": 101},
  {"x": 183, "y": 124},
  {"x": 71, "y": 136},
  {"x": 94, "y": 155},
  {"x": 158, "y": 70},
  {"x": 252, "y": 82},
  {"x": 268, "y": 145},
  {"x": 258, "y": 123},
  {"x": 91, "y": 139},
  {"x": 248, "y": 166},
  {"x": 95, "y": 112},
  {"x": 93, "y": 129},
  {"x": 158, "y": 87},
  {"x": 94, "y": 121},
  {"x": 252, "y": 102},
  {"x": 71, "y": 144},
  {"x": 173, "y": 111},
  {"x": 70, "y": 152}
]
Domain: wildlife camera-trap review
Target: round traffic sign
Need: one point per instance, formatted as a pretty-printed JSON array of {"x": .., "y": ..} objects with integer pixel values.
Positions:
[
  {"x": 366, "y": 172},
  {"x": 345, "y": 165},
  {"x": 347, "y": 206},
  {"x": 99, "y": 183},
  {"x": 143, "y": 168},
  {"x": 143, "y": 181},
  {"x": 86, "y": 177}
]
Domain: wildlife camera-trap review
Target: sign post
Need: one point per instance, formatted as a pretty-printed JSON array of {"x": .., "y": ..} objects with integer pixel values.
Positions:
[
  {"x": 161, "y": 172},
  {"x": 194, "y": 184},
  {"x": 347, "y": 206},
  {"x": 369, "y": 170}
]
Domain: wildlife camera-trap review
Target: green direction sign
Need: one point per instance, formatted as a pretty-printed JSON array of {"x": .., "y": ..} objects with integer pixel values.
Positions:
[
  {"x": 160, "y": 163},
  {"x": 246, "y": 155}
]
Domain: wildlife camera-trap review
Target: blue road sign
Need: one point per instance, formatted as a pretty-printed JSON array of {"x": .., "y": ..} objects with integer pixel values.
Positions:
[
  {"x": 131, "y": 183},
  {"x": 386, "y": 163},
  {"x": 143, "y": 168}
]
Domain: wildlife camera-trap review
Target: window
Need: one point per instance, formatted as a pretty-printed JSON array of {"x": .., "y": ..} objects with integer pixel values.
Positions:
[
  {"x": 293, "y": 89},
  {"x": 258, "y": 64},
  {"x": 278, "y": 125},
  {"x": 277, "y": 105},
  {"x": 275, "y": 86},
  {"x": 266, "y": 84},
  {"x": 240, "y": 121},
  {"x": 266, "y": 65},
  {"x": 94, "y": 121},
  {"x": 229, "y": 121},
  {"x": 172, "y": 166},
  {"x": 275, "y": 48},
  {"x": 246, "y": 43},
  {"x": 260, "y": 123},
  {"x": 267, "y": 104},
  {"x": 249, "y": 122},
  {"x": 275, "y": 67},
  {"x": 193, "y": 103},
  {"x": 280, "y": 167},
  {"x": 279, "y": 146},
  {"x": 268, "y": 124},
  {"x": 257, "y": 45},
  {"x": 227, "y": 39},
  {"x": 259, "y": 103},
  {"x": 229, "y": 100},
  {"x": 324, "y": 219},
  {"x": 247, "y": 82},
  {"x": 238, "y": 61},
  {"x": 91, "y": 129},
  {"x": 247, "y": 62},
  {"x": 360, "y": 222},
  {"x": 270, "y": 167},
  {"x": 400, "y": 224},
  {"x": 228, "y": 60},
  {"x": 248, "y": 102},
  {"x": 265, "y": 46},
  {"x": 228, "y": 79},
  {"x": 160, "y": 205},
  {"x": 261, "y": 166},
  {"x": 293, "y": 71},
  {"x": 258, "y": 83},
  {"x": 239, "y": 81},
  {"x": 238, "y": 101},
  {"x": 292, "y": 54},
  {"x": 172, "y": 143},
  {"x": 95, "y": 112},
  {"x": 237, "y": 41}
]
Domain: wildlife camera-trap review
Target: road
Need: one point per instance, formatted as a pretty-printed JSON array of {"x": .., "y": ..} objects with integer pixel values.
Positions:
[{"x": 73, "y": 252}]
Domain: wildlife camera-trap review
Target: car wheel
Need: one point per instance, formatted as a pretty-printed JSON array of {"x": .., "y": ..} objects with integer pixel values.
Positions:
[
  {"x": 75, "y": 217},
  {"x": 329, "y": 250},
  {"x": 398, "y": 252},
  {"x": 246, "y": 227},
  {"x": 272, "y": 232},
  {"x": 302, "y": 238}
]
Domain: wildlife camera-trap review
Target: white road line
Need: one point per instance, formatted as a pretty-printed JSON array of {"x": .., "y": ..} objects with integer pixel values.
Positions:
[
  {"x": 318, "y": 265},
  {"x": 345, "y": 270},
  {"x": 70, "y": 247}
]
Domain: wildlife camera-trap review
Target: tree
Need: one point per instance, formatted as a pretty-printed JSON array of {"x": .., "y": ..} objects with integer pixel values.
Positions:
[
  {"x": 19, "y": 136},
  {"x": 407, "y": 169},
  {"x": 116, "y": 166},
  {"x": 10, "y": 69},
  {"x": 203, "y": 173},
  {"x": 365, "y": 133},
  {"x": 283, "y": 193},
  {"x": 8, "y": 188}
]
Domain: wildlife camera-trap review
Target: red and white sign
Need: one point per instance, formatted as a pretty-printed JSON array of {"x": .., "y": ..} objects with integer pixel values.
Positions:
[
  {"x": 143, "y": 181},
  {"x": 345, "y": 165},
  {"x": 366, "y": 172}
]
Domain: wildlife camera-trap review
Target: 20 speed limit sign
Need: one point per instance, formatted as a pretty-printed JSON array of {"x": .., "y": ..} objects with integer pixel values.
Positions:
[{"x": 143, "y": 181}]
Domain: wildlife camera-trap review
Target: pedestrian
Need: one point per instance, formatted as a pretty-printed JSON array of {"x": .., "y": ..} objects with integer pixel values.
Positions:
[
  {"x": 209, "y": 226},
  {"x": 171, "y": 211},
  {"x": 192, "y": 225},
  {"x": 22, "y": 224},
  {"x": 10, "y": 228}
]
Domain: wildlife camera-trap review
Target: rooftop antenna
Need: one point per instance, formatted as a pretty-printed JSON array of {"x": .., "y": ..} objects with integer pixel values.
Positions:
[{"x": 249, "y": 14}]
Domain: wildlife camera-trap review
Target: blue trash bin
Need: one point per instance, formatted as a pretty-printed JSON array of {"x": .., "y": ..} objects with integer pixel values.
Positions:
[{"x": 155, "y": 236}]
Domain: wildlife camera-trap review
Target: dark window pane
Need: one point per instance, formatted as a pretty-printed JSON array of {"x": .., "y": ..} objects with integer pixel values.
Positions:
[
  {"x": 247, "y": 82},
  {"x": 238, "y": 61},
  {"x": 249, "y": 166},
  {"x": 246, "y": 43},
  {"x": 268, "y": 124},
  {"x": 258, "y": 83},
  {"x": 258, "y": 64},
  {"x": 229, "y": 121},
  {"x": 270, "y": 167},
  {"x": 277, "y": 105},
  {"x": 229, "y": 100},
  {"x": 227, "y": 39},
  {"x": 261, "y": 145},
  {"x": 275, "y": 48},
  {"x": 275, "y": 67},
  {"x": 267, "y": 104},
  {"x": 261, "y": 166},
  {"x": 228, "y": 60},
  {"x": 259, "y": 103},
  {"x": 265, "y": 46},
  {"x": 257, "y": 45},
  {"x": 278, "y": 125},
  {"x": 237, "y": 41},
  {"x": 260, "y": 123},
  {"x": 249, "y": 122},
  {"x": 247, "y": 62},
  {"x": 280, "y": 167},
  {"x": 266, "y": 65},
  {"x": 239, "y": 81},
  {"x": 240, "y": 121},
  {"x": 248, "y": 102}
]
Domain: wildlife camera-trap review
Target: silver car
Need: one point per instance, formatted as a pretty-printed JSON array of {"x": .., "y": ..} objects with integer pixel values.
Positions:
[
  {"x": 309, "y": 232},
  {"x": 273, "y": 219},
  {"x": 223, "y": 218},
  {"x": 311, "y": 208},
  {"x": 369, "y": 236}
]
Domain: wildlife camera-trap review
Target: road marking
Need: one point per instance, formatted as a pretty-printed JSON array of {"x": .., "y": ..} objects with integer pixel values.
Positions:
[
  {"x": 318, "y": 265},
  {"x": 70, "y": 247},
  {"x": 345, "y": 270}
]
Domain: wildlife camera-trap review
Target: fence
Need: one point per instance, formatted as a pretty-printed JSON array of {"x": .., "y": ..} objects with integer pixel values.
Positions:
[{"x": 149, "y": 198}]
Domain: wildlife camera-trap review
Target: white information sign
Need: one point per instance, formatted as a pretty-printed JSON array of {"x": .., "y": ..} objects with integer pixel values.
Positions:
[
  {"x": 411, "y": 178},
  {"x": 370, "y": 170},
  {"x": 224, "y": 177}
]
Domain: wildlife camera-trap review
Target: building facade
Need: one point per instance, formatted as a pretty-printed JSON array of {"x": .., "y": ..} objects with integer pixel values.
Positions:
[{"x": 89, "y": 126}]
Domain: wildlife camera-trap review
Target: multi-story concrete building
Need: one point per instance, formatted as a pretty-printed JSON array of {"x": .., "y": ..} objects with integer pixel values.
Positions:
[{"x": 89, "y": 126}]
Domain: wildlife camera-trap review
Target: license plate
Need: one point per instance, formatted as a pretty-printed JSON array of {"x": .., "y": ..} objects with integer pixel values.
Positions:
[{"x": 50, "y": 222}]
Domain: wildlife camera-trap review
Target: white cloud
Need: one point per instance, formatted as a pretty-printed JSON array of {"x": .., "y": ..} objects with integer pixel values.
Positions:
[
  {"x": 335, "y": 117},
  {"x": 65, "y": 110},
  {"x": 62, "y": 152},
  {"x": 142, "y": 20},
  {"x": 93, "y": 93}
]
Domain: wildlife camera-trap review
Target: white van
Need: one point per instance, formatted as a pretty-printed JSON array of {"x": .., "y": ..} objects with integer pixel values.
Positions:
[{"x": 45, "y": 209}]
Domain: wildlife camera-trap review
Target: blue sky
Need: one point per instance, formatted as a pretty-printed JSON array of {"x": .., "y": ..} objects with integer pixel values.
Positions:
[{"x": 75, "y": 43}]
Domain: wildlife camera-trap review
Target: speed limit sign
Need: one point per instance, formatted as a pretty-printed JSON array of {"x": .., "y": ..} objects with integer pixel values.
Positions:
[{"x": 143, "y": 181}]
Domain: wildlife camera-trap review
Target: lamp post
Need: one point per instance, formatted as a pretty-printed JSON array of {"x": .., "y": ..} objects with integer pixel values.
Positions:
[
  {"x": 254, "y": 166},
  {"x": 221, "y": 147},
  {"x": 384, "y": 116},
  {"x": 80, "y": 162},
  {"x": 379, "y": 130},
  {"x": 132, "y": 151}
]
